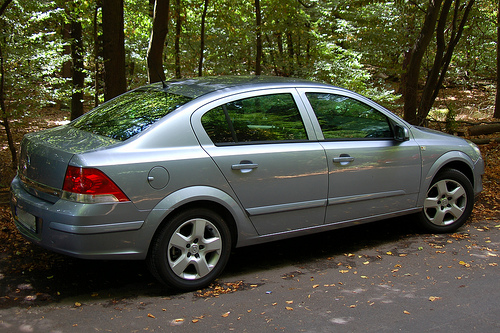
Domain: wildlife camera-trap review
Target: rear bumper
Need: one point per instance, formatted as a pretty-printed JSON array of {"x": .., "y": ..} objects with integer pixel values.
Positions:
[{"x": 90, "y": 231}]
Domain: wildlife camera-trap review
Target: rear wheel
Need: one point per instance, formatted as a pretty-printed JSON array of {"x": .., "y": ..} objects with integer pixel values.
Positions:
[
  {"x": 190, "y": 250},
  {"x": 448, "y": 203}
]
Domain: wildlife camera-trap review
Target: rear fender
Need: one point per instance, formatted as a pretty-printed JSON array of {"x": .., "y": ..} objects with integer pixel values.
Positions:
[{"x": 191, "y": 195}]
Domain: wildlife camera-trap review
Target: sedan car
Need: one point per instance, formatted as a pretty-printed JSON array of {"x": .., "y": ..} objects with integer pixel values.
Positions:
[{"x": 179, "y": 173}]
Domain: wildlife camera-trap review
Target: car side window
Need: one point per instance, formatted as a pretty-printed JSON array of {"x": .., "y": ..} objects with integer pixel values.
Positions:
[
  {"x": 341, "y": 117},
  {"x": 255, "y": 119}
]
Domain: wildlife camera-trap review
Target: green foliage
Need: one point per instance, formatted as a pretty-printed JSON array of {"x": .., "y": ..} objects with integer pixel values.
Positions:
[
  {"x": 32, "y": 56},
  {"x": 343, "y": 43}
]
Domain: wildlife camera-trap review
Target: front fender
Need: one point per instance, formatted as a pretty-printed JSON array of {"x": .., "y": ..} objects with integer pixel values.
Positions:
[
  {"x": 430, "y": 172},
  {"x": 193, "y": 194}
]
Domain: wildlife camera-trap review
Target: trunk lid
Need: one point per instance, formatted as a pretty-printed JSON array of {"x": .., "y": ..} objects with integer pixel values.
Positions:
[{"x": 45, "y": 155}]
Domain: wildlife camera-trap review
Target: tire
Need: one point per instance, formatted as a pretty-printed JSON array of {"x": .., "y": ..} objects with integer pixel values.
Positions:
[
  {"x": 448, "y": 202},
  {"x": 190, "y": 250}
]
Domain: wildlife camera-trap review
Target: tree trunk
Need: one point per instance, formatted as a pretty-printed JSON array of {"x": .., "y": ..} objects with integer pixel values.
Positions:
[
  {"x": 484, "y": 129},
  {"x": 202, "y": 38},
  {"x": 113, "y": 48},
  {"x": 66, "y": 66},
  {"x": 3, "y": 107},
  {"x": 432, "y": 78},
  {"x": 78, "y": 70},
  {"x": 416, "y": 54},
  {"x": 97, "y": 53},
  {"x": 258, "y": 29},
  {"x": 442, "y": 59},
  {"x": 496, "y": 114},
  {"x": 177, "y": 46},
  {"x": 5, "y": 116},
  {"x": 157, "y": 41}
]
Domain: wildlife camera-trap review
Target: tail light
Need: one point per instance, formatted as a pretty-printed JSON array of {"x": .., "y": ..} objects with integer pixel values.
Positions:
[{"x": 89, "y": 185}]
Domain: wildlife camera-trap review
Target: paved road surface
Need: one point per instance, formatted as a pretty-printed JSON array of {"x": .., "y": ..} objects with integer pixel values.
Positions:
[{"x": 382, "y": 277}]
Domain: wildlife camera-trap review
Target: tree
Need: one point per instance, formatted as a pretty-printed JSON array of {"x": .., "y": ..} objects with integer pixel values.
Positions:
[
  {"x": 157, "y": 41},
  {"x": 410, "y": 90},
  {"x": 497, "y": 96},
  {"x": 177, "y": 45},
  {"x": 5, "y": 118},
  {"x": 202, "y": 37},
  {"x": 437, "y": 12},
  {"x": 113, "y": 48},
  {"x": 258, "y": 47},
  {"x": 77, "y": 69}
]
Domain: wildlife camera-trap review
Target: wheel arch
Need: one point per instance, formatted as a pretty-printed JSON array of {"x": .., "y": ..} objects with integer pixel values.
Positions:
[
  {"x": 451, "y": 160},
  {"x": 200, "y": 196},
  {"x": 211, "y": 205}
]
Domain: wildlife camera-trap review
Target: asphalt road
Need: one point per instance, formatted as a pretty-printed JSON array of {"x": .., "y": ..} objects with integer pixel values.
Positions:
[{"x": 381, "y": 277}]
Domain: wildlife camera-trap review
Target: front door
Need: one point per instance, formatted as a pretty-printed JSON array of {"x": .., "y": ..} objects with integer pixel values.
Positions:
[{"x": 370, "y": 173}]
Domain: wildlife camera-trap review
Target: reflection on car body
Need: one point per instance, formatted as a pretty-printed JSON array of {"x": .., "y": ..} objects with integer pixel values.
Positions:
[{"x": 179, "y": 175}]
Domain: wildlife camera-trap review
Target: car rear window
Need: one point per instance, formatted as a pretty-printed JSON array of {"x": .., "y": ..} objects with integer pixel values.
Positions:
[{"x": 130, "y": 113}]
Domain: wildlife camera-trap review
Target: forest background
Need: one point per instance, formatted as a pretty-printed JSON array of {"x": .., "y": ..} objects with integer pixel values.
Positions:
[{"x": 420, "y": 58}]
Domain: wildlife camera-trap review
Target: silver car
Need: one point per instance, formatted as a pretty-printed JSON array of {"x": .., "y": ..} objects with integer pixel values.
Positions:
[{"x": 180, "y": 173}]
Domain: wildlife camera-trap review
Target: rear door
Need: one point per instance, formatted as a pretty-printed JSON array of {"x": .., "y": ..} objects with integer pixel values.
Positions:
[
  {"x": 370, "y": 173},
  {"x": 261, "y": 143}
]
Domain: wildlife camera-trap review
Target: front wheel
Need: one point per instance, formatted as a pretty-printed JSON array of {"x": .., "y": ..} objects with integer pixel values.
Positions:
[
  {"x": 448, "y": 203},
  {"x": 190, "y": 250}
]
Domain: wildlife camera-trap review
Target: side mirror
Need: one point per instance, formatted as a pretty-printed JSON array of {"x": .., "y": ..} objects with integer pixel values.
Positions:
[{"x": 401, "y": 133}]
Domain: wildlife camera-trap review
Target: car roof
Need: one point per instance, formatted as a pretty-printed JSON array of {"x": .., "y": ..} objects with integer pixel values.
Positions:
[{"x": 199, "y": 86}]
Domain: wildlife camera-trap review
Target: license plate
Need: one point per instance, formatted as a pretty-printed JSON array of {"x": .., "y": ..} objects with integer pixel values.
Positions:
[{"x": 26, "y": 219}]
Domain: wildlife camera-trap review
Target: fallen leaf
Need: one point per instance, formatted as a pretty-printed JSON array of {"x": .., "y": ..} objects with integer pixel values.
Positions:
[
  {"x": 289, "y": 302},
  {"x": 463, "y": 263},
  {"x": 434, "y": 298},
  {"x": 151, "y": 316},
  {"x": 225, "y": 315},
  {"x": 406, "y": 312},
  {"x": 194, "y": 321},
  {"x": 289, "y": 308},
  {"x": 315, "y": 286},
  {"x": 78, "y": 304}
]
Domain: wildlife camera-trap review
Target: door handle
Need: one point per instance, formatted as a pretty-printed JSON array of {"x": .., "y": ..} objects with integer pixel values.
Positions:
[
  {"x": 244, "y": 166},
  {"x": 343, "y": 159}
]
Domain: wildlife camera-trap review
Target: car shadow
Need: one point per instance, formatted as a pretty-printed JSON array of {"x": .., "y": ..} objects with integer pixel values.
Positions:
[{"x": 44, "y": 277}]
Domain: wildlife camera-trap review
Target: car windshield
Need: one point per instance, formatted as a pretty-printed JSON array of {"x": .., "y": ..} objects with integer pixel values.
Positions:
[{"x": 130, "y": 113}]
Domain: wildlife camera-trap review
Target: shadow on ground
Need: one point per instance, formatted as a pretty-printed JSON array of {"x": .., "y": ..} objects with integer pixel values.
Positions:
[{"x": 26, "y": 283}]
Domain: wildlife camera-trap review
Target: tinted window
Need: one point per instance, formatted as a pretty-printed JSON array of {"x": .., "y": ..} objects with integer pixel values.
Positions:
[
  {"x": 262, "y": 118},
  {"x": 129, "y": 114},
  {"x": 342, "y": 117}
]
